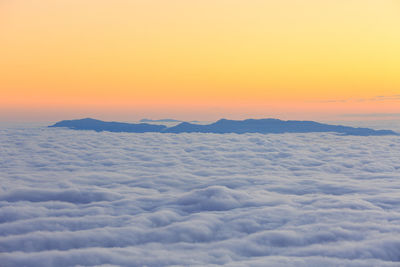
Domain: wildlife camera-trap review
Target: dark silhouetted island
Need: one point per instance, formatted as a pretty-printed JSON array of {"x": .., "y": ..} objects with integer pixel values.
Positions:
[
  {"x": 113, "y": 126},
  {"x": 264, "y": 126}
]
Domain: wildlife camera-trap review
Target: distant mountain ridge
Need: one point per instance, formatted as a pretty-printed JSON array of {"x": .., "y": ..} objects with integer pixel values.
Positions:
[{"x": 264, "y": 126}]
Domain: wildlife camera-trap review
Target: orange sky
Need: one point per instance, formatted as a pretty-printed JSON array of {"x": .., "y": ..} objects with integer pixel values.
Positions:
[{"x": 127, "y": 59}]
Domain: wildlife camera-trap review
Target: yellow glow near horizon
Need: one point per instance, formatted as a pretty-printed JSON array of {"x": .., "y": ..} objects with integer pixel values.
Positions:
[{"x": 237, "y": 57}]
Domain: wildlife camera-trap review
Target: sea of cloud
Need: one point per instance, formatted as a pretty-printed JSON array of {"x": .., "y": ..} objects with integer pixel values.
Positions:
[{"x": 81, "y": 198}]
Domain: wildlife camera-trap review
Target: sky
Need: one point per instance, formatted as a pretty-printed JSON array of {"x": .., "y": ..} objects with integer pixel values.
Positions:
[{"x": 202, "y": 60}]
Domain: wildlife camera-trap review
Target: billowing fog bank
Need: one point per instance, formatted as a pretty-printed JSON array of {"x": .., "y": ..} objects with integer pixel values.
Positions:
[{"x": 85, "y": 198}]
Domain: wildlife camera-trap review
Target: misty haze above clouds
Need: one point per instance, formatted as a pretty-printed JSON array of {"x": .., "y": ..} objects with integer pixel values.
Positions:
[{"x": 87, "y": 198}]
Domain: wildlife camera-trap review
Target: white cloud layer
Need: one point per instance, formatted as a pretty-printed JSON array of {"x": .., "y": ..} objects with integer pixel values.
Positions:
[{"x": 121, "y": 199}]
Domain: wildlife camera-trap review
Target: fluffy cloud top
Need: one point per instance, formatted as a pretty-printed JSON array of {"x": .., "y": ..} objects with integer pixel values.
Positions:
[{"x": 121, "y": 199}]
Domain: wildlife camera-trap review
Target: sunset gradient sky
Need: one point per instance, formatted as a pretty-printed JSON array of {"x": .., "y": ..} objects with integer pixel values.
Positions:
[{"x": 128, "y": 59}]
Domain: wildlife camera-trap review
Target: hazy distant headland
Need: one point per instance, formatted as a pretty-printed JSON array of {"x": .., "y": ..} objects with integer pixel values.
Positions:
[
  {"x": 162, "y": 120},
  {"x": 264, "y": 126}
]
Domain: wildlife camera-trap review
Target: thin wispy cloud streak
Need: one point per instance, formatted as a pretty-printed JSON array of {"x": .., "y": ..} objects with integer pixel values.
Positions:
[
  {"x": 371, "y": 99},
  {"x": 83, "y": 198},
  {"x": 371, "y": 115}
]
